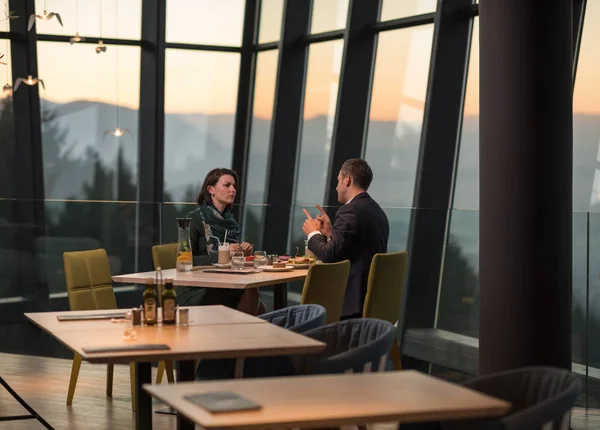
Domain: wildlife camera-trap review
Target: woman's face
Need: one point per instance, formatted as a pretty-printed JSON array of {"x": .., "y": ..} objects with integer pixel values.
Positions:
[{"x": 224, "y": 190}]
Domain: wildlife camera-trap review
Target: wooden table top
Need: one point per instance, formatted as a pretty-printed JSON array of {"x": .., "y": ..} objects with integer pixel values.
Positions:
[
  {"x": 199, "y": 278},
  {"x": 334, "y": 400},
  {"x": 198, "y": 315},
  {"x": 186, "y": 342}
]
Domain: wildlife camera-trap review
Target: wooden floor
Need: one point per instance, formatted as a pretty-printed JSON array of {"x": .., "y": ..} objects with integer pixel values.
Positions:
[{"x": 43, "y": 383}]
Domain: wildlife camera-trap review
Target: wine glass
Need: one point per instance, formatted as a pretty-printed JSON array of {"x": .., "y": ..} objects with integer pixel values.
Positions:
[{"x": 260, "y": 259}]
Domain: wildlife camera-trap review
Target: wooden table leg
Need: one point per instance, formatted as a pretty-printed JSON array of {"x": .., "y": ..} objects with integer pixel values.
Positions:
[
  {"x": 143, "y": 400},
  {"x": 185, "y": 372},
  {"x": 279, "y": 296}
]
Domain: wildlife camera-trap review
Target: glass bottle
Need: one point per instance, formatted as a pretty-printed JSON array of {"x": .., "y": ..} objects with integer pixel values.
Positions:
[
  {"x": 184, "y": 247},
  {"x": 169, "y": 303},
  {"x": 150, "y": 300}
]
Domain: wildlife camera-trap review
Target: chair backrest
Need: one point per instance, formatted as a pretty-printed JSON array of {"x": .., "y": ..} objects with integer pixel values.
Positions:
[
  {"x": 356, "y": 345},
  {"x": 325, "y": 285},
  {"x": 89, "y": 284},
  {"x": 385, "y": 285},
  {"x": 298, "y": 319},
  {"x": 541, "y": 398},
  {"x": 164, "y": 256}
]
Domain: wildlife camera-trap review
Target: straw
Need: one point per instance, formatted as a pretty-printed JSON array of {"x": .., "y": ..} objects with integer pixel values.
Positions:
[
  {"x": 225, "y": 238},
  {"x": 218, "y": 241}
]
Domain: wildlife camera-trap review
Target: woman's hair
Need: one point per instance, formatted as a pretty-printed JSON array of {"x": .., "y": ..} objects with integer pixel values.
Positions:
[{"x": 211, "y": 180}]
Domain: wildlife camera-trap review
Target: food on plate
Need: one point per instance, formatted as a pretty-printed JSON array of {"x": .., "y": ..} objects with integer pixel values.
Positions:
[
  {"x": 284, "y": 257},
  {"x": 305, "y": 259},
  {"x": 278, "y": 264},
  {"x": 250, "y": 258}
]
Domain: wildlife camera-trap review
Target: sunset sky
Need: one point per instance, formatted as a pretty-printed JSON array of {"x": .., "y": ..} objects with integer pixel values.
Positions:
[{"x": 206, "y": 82}]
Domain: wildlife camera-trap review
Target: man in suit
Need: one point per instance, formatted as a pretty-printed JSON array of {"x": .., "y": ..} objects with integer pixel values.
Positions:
[{"x": 360, "y": 230}]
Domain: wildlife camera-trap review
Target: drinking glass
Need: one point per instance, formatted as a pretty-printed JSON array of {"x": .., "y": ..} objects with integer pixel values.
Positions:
[
  {"x": 260, "y": 259},
  {"x": 237, "y": 260}
]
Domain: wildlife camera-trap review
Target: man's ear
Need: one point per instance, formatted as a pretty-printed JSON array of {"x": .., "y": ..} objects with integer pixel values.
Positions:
[{"x": 348, "y": 180}]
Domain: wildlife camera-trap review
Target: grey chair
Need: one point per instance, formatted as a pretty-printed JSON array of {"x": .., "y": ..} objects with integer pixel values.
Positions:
[
  {"x": 541, "y": 398},
  {"x": 357, "y": 345},
  {"x": 294, "y": 318}
]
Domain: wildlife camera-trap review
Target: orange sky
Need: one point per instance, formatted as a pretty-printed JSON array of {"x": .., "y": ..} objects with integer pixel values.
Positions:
[{"x": 207, "y": 81}]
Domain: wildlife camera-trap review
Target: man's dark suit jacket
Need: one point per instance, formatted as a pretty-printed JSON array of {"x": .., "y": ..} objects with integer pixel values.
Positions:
[{"x": 360, "y": 230}]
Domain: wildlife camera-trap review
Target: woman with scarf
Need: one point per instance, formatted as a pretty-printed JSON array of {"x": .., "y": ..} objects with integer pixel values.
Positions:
[{"x": 210, "y": 221}]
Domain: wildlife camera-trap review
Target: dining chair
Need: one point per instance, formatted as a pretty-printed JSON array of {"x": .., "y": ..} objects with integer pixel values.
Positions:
[{"x": 325, "y": 285}]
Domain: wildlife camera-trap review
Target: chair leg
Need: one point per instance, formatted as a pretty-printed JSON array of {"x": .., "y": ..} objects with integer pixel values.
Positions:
[
  {"x": 132, "y": 383},
  {"x": 396, "y": 356},
  {"x": 109, "y": 379},
  {"x": 169, "y": 370},
  {"x": 74, "y": 375},
  {"x": 159, "y": 372}
]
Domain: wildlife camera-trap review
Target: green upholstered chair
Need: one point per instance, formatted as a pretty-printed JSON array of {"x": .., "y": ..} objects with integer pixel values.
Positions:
[
  {"x": 384, "y": 292},
  {"x": 325, "y": 285},
  {"x": 164, "y": 256}
]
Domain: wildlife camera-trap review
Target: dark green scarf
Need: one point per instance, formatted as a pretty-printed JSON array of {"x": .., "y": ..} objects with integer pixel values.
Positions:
[{"x": 215, "y": 224}]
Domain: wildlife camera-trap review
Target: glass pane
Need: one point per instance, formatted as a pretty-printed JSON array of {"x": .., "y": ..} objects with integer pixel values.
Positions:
[
  {"x": 466, "y": 189},
  {"x": 7, "y": 131},
  {"x": 271, "y": 14},
  {"x": 200, "y": 103},
  {"x": 586, "y": 116},
  {"x": 264, "y": 97},
  {"x": 98, "y": 18},
  {"x": 82, "y": 160},
  {"x": 394, "y": 9},
  {"x": 205, "y": 22},
  {"x": 328, "y": 15},
  {"x": 320, "y": 99},
  {"x": 396, "y": 117}
]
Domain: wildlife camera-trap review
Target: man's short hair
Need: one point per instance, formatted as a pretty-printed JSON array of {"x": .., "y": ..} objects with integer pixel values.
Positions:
[{"x": 360, "y": 172}]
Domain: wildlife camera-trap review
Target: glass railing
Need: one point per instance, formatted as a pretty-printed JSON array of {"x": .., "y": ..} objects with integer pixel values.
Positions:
[{"x": 32, "y": 274}]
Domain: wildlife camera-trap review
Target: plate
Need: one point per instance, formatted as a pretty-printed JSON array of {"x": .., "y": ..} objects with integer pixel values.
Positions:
[
  {"x": 300, "y": 266},
  {"x": 277, "y": 269},
  {"x": 249, "y": 263},
  {"x": 222, "y": 266}
]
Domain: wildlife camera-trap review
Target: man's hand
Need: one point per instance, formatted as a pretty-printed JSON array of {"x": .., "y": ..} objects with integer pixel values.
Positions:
[
  {"x": 246, "y": 248},
  {"x": 324, "y": 222},
  {"x": 310, "y": 224},
  {"x": 235, "y": 247}
]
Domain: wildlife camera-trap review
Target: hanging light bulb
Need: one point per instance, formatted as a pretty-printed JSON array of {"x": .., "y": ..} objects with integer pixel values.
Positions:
[
  {"x": 46, "y": 16},
  {"x": 30, "y": 80},
  {"x": 101, "y": 47},
  {"x": 7, "y": 90},
  {"x": 118, "y": 132},
  {"x": 77, "y": 38}
]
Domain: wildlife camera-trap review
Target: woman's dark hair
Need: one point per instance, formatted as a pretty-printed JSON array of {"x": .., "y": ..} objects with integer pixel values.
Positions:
[{"x": 211, "y": 180}]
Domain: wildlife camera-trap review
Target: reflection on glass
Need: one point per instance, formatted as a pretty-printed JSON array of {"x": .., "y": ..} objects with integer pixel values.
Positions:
[
  {"x": 328, "y": 15},
  {"x": 92, "y": 18},
  {"x": 586, "y": 116},
  {"x": 271, "y": 14},
  {"x": 264, "y": 97},
  {"x": 320, "y": 100},
  {"x": 200, "y": 103},
  {"x": 7, "y": 130},
  {"x": 205, "y": 22},
  {"x": 78, "y": 106},
  {"x": 394, "y": 9},
  {"x": 396, "y": 117},
  {"x": 466, "y": 188}
]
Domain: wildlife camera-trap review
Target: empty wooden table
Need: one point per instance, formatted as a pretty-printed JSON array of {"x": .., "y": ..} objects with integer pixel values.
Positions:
[
  {"x": 334, "y": 400},
  {"x": 185, "y": 343}
]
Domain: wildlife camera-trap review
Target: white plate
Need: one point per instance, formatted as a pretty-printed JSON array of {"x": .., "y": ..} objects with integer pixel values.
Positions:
[
  {"x": 277, "y": 269},
  {"x": 300, "y": 266},
  {"x": 222, "y": 266}
]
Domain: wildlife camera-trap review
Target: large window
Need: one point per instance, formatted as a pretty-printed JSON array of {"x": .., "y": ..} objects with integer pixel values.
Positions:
[
  {"x": 271, "y": 14},
  {"x": 396, "y": 119},
  {"x": 205, "y": 22},
  {"x": 95, "y": 18},
  {"x": 7, "y": 129},
  {"x": 200, "y": 103},
  {"x": 329, "y": 15},
  {"x": 394, "y": 9},
  {"x": 258, "y": 155},
  {"x": 320, "y": 100}
]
